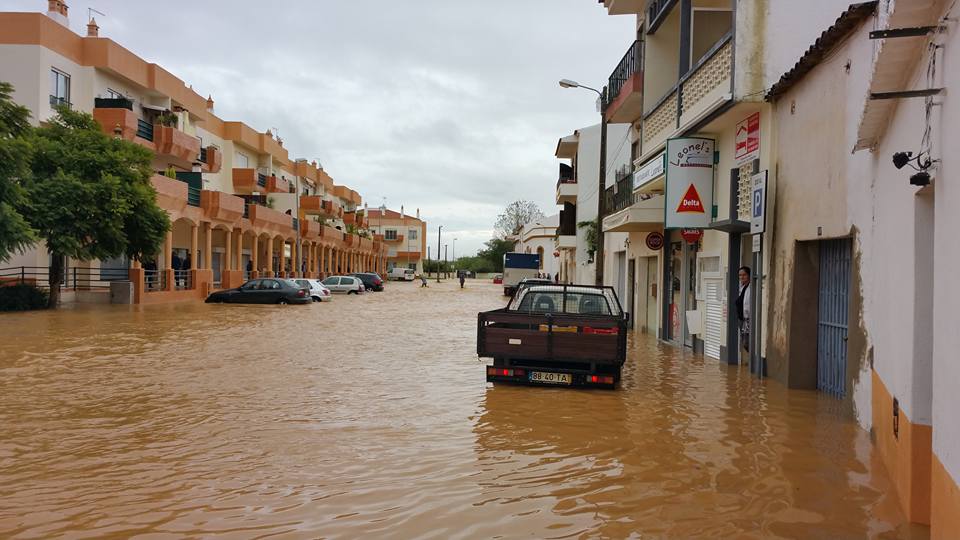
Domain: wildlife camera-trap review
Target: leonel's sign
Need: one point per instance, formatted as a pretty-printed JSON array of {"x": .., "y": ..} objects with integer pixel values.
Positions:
[{"x": 689, "y": 183}]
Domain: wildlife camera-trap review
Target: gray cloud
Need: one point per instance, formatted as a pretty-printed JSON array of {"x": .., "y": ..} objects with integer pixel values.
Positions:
[{"x": 447, "y": 106}]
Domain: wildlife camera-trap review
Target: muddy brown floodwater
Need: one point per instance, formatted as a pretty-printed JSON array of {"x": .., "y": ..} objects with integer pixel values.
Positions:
[{"x": 369, "y": 417}]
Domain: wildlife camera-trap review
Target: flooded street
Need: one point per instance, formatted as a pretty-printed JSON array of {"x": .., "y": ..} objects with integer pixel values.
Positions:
[{"x": 370, "y": 417}]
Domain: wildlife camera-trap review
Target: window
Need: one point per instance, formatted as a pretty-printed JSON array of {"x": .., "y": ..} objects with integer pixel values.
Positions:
[
  {"x": 113, "y": 94},
  {"x": 241, "y": 159},
  {"x": 390, "y": 234},
  {"x": 59, "y": 88},
  {"x": 412, "y": 234}
]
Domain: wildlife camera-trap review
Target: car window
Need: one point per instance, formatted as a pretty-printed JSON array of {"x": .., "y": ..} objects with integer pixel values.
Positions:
[
  {"x": 331, "y": 281},
  {"x": 304, "y": 283},
  {"x": 270, "y": 284},
  {"x": 251, "y": 285}
]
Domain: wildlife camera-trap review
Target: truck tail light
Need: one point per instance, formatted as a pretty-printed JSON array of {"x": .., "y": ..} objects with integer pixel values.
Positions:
[{"x": 501, "y": 372}]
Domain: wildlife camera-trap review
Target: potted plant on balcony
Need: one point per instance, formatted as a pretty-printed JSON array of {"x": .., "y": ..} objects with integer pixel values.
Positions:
[
  {"x": 270, "y": 202},
  {"x": 166, "y": 119}
]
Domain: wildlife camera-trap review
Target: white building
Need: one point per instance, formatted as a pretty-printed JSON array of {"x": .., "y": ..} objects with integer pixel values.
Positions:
[{"x": 540, "y": 237}]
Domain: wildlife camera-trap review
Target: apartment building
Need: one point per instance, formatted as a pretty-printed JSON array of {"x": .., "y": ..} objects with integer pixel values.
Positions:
[
  {"x": 540, "y": 237},
  {"x": 240, "y": 206},
  {"x": 577, "y": 185},
  {"x": 404, "y": 236}
]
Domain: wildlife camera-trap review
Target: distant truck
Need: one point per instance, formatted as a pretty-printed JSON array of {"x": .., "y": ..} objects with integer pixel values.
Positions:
[
  {"x": 517, "y": 266},
  {"x": 567, "y": 335},
  {"x": 398, "y": 273}
]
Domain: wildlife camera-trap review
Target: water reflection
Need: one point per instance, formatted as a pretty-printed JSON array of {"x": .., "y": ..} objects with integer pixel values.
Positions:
[{"x": 369, "y": 417}]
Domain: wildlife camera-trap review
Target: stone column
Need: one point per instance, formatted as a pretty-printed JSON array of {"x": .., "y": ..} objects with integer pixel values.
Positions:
[
  {"x": 208, "y": 246},
  {"x": 283, "y": 258},
  {"x": 194, "y": 255},
  {"x": 255, "y": 256},
  {"x": 228, "y": 264},
  {"x": 168, "y": 260},
  {"x": 239, "y": 265}
]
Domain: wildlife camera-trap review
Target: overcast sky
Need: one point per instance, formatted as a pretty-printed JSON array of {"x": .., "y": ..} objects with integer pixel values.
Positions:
[{"x": 450, "y": 106}]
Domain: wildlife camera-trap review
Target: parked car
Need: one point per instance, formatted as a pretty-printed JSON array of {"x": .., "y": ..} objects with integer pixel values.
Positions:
[
  {"x": 318, "y": 292},
  {"x": 344, "y": 284},
  {"x": 264, "y": 291},
  {"x": 498, "y": 279},
  {"x": 371, "y": 281}
]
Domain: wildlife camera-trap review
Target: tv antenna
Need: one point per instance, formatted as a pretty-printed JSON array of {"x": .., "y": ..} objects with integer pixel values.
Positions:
[{"x": 91, "y": 11}]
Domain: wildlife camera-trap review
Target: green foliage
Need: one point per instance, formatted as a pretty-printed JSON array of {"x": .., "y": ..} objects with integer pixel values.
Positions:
[
  {"x": 431, "y": 266},
  {"x": 15, "y": 150},
  {"x": 591, "y": 236},
  {"x": 89, "y": 195},
  {"x": 170, "y": 172},
  {"x": 270, "y": 202},
  {"x": 167, "y": 119},
  {"x": 22, "y": 297},
  {"x": 477, "y": 264},
  {"x": 493, "y": 252},
  {"x": 351, "y": 228}
]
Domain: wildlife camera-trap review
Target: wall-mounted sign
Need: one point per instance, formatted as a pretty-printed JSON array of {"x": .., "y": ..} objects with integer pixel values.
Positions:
[
  {"x": 691, "y": 235},
  {"x": 689, "y": 190},
  {"x": 556, "y": 253},
  {"x": 758, "y": 203},
  {"x": 747, "y": 140},
  {"x": 654, "y": 241},
  {"x": 649, "y": 171}
]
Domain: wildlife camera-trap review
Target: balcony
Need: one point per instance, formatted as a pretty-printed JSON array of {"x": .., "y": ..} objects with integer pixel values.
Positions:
[
  {"x": 221, "y": 206},
  {"x": 350, "y": 218},
  {"x": 643, "y": 215},
  {"x": 566, "y": 185},
  {"x": 625, "y": 7},
  {"x": 625, "y": 87},
  {"x": 277, "y": 185},
  {"x": 411, "y": 255},
  {"x": 170, "y": 141},
  {"x": 246, "y": 181},
  {"x": 172, "y": 194},
  {"x": 398, "y": 239},
  {"x": 703, "y": 89},
  {"x": 269, "y": 219},
  {"x": 567, "y": 231},
  {"x": 349, "y": 239},
  {"x": 211, "y": 158}
]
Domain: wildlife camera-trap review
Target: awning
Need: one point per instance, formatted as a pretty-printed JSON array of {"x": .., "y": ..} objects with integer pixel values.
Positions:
[{"x": 154, "y": 107}]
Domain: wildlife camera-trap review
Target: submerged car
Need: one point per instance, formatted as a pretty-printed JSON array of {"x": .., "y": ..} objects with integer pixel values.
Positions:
[
  {"x": 318, "y": 292},
  {"x": 344, "y": 284},
  {"x": 263, "y": 291},
  {"x": 498, "y": 279},
  {"x": 371, "y": 281}
]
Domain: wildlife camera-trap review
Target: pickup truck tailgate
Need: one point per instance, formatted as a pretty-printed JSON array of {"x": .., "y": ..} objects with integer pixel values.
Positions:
[{"x": 503, "y": 334}]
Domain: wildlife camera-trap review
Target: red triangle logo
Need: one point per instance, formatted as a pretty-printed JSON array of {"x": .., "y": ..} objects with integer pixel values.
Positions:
[{"x": 691, "y": 202}]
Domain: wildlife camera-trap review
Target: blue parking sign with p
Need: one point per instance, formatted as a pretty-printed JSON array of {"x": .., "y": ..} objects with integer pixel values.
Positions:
[{"x": 757, "y": 203}]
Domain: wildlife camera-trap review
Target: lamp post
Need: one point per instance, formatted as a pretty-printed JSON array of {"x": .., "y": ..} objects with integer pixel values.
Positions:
[
  {"x": 601, "y": 196},
  {"x": 454, "y": 259},
  {"x": 445, "y": 275},
  {"x": 439, "y": 228}
]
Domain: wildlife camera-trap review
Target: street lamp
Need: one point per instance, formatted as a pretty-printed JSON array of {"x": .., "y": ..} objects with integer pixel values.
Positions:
[
  {"x": 601, "y": 198},
  {"x": 454, "y": 259},
  {"x": 439, "y": 228}
]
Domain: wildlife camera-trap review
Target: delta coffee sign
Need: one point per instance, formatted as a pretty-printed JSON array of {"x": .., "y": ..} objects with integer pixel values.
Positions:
[{"x": 689, "y": 189}]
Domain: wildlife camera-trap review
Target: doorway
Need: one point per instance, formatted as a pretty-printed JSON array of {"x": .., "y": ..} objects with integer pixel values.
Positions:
[
  {"x": 650, "y": 296},
  {"x": 834, "y": 307}
]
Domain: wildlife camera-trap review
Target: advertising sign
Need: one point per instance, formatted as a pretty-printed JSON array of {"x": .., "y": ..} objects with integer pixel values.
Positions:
[
  {"x": 689, "y": 191},
  {"x": 748, "y": 140},
  {"x": 651, "y": 170},
  {"x": 758, "y": 203},
  {"x": 691, "y": 235},
  {"x": 654, "y": 241}
]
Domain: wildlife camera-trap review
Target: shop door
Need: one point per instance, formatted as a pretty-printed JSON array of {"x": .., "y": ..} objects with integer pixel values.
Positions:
[
  {"x": 651, "y": 296},
  {"x": 834, "y": 302},
  {"x": 689, "y": 287},
  {"x": 713, "y": 297}
]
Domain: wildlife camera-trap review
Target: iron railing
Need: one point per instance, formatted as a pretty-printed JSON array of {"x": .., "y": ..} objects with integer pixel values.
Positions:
[
  {"x": 60, "y": 102},
  {"x": 630, "y": 64},
  {"x": 296, "y": 224},
  {"x": 182, "y": 280},
  {"x": 73, "y": 278},
  {"x": 144, "y": 129},
  {"x": 246, "y": 211},
  {"x": 203, "y": 155},
  {"x": 154, "y": 280},
  {"x": 261, "y": 180},
  {"x": 620, "y": 195},
  {"x": 113, "y": 103},
  {"x": 193, "y": 196},
  {"x": 566, "y": 175}
]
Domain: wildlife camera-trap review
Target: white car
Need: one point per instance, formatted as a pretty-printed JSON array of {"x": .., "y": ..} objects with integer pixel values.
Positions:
[
  {"x": 344, "y": 284},
  {"x": 318, "y": 291}
]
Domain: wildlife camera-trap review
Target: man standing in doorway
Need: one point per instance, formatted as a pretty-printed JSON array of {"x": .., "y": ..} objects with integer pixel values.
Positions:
[{"x": 743, "y": 307}]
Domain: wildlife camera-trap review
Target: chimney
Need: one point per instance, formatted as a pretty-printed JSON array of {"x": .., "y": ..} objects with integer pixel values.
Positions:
[
  {"x": 401, "y": 211},
  {"x": 209, "y": 103},
  {"x": 57, "y": 10},
  {"x": 92, "y": 29},
  {"x": 418, "y": 213}
]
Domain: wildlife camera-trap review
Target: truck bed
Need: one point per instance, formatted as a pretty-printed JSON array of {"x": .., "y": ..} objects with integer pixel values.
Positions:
[{"x": 546, "y": 338}]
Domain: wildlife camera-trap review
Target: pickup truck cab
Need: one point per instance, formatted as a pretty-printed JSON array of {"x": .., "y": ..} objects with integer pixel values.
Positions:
[{"x": 569, "y": 335}]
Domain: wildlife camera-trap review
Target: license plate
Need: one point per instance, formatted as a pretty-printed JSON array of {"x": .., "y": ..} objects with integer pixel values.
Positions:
[{"x": 550, "y": 378}]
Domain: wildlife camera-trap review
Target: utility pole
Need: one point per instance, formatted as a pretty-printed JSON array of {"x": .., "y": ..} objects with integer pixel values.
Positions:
[
  {"x": 445, "y": 274},
  {"x": 439, "y": 228},
  {"x": 602, "y": 196}
]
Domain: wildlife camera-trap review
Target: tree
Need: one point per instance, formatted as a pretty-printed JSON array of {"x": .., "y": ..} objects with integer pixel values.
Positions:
[
  {"x": 89, "y": 195},
  {"x": 515, "y": 216},
  {"x": 493, "y": 252},
  {"x": 15, "y": 232}
]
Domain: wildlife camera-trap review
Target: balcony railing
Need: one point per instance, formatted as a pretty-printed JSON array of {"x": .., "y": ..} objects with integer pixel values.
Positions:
[
  {"x": 568, "y": 222},
  {"x": 154, "y": 280},
  {"x": 630, "y": 64},
  {"x": 261, "y": 180},
  {"x": 182, "y": 280},
  {"x": 113, "y": 103},
  {"x": 144, "y": 129},
  {"x": 620, "y": 195},
  {"x": 566, "y": 175},
  {"x": 296, "y": 224},
  {"x": 193, "y": 196},
  {"x": 246, "y": 211},
  {"x": 60, "y": 102},
  {"x": 203, "y": 155}
]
